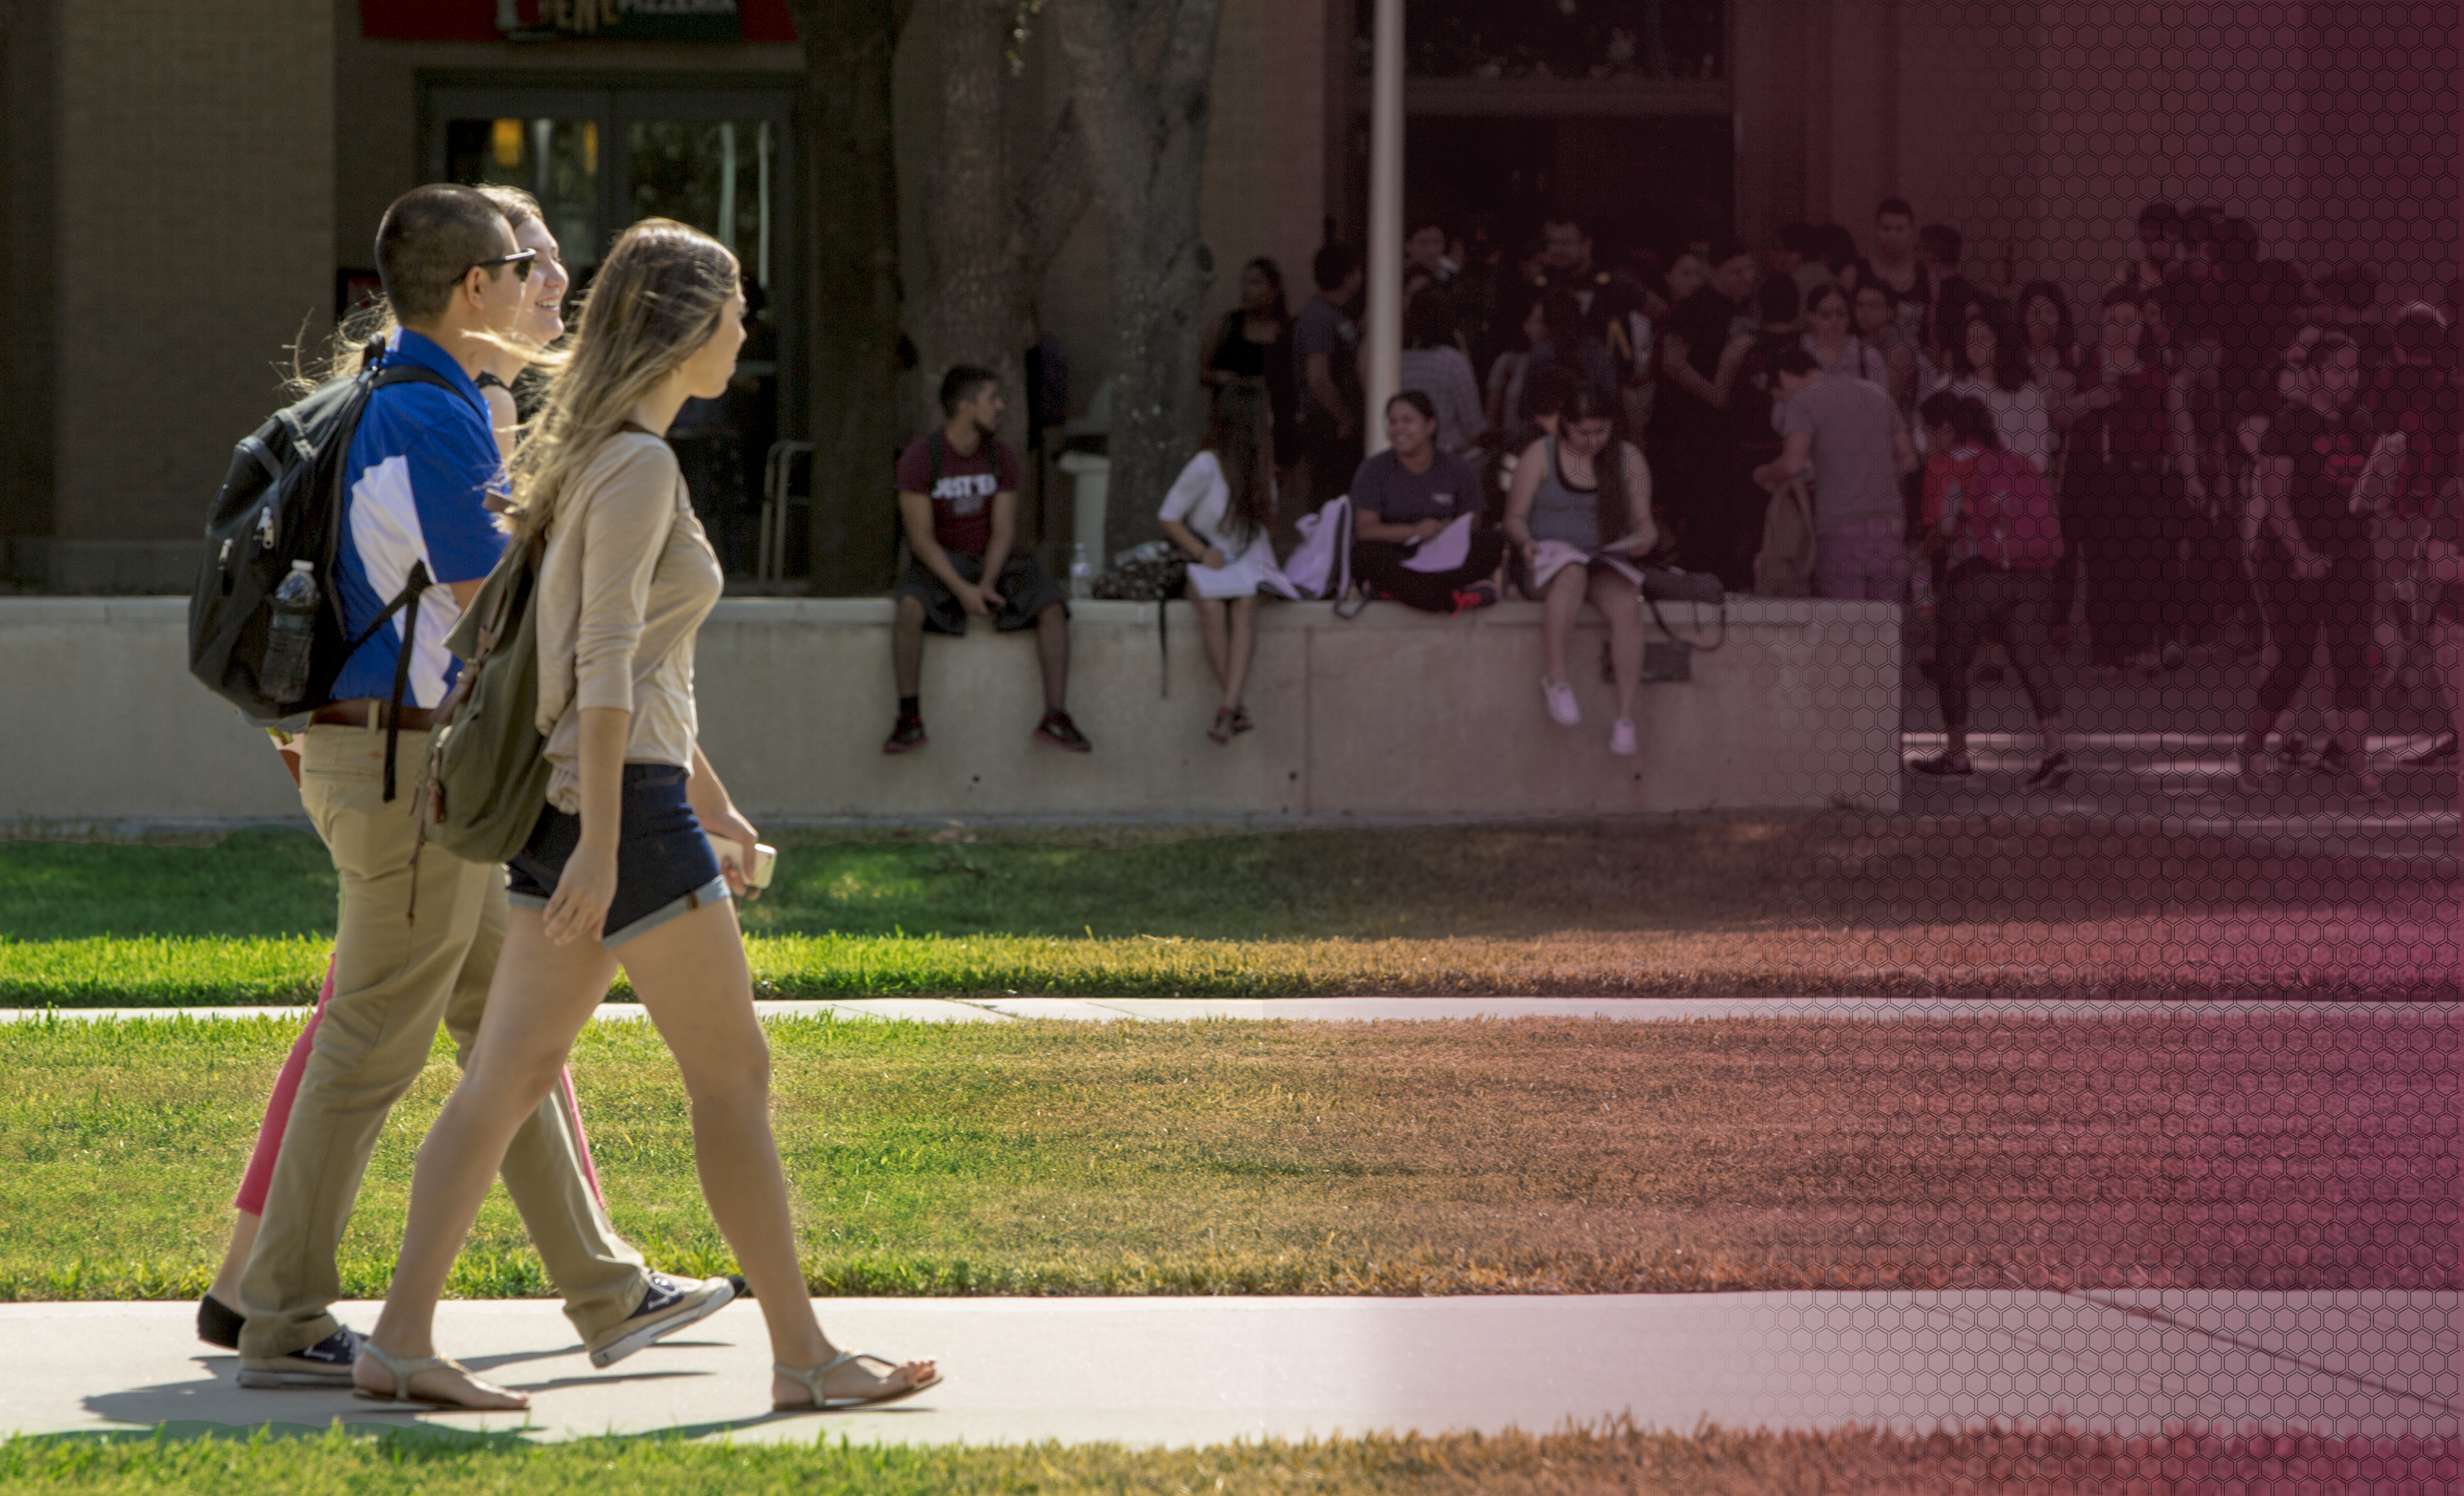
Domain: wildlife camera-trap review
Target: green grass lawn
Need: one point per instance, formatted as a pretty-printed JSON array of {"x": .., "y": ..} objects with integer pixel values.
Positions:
[
  {"x": 1828, "y": 903},
  {"x": 1442, "y": 1157},
  {"x": 1619, "y": 1458}
]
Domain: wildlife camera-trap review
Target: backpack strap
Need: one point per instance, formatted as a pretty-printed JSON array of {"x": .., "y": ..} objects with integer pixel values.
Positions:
[{"x": 1343, "y": 571}]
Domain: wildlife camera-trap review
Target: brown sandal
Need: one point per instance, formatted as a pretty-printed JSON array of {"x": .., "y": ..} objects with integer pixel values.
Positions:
[
  {"x": 1222, "y": 730},
  {"x": 1241, "y": 722}
]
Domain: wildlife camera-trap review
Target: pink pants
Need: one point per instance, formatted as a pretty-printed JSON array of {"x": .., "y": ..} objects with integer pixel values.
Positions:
[{"x": 259, "y": 1178}]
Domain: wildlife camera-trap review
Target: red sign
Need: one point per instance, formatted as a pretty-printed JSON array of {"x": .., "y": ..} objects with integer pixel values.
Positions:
[{"x": 576, "y": 20}]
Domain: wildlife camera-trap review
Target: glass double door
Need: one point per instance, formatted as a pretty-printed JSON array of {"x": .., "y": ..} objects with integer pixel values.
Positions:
[{"x": 597, "y": 159}]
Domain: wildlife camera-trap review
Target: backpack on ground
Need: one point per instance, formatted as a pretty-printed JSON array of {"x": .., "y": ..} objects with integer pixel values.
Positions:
[
  {"x": 2011, "y": 518},
  {"x": 280, "y": 502}
]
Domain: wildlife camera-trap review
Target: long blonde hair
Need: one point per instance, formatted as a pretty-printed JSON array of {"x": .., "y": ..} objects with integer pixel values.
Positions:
[{"x": 657, "y": 300}]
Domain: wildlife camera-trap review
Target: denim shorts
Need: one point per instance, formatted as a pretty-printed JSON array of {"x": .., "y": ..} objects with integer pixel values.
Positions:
[{"x": 664, "y": 864}]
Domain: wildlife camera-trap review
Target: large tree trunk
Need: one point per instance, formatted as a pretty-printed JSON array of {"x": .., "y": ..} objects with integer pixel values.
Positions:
[
  {"x": 851, "y": 192},
  {"x": 1145, "y": 126},
  {"x": 990, "y": 232}
]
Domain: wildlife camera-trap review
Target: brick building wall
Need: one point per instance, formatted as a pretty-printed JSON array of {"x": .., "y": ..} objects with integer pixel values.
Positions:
[{"x": 193, "y": 225}]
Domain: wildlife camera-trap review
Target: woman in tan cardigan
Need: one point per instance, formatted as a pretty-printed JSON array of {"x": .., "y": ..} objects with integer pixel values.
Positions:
[{"x": 617, "y": 871}]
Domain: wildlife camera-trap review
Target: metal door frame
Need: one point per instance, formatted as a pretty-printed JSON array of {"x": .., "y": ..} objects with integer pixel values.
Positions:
[{"x": 618, "y": 102}]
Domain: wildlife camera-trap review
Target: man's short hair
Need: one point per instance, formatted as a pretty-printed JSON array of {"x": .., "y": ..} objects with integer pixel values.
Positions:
[
  {"x": 1334, "y": 264},
  {"x": 430, "y": 238},
  {"x": 1777, "y": 302},
  {"x": 1896, "y": 205},
  {"x": 1793, "y": 358},
  {"x": 1723, "y": 251},
  {"x": 1943, "y": 241},
  {"x": 2161, "y": 218},
  {"x": 960, "y": 384},
  {"x": 1570, "y": 220}
]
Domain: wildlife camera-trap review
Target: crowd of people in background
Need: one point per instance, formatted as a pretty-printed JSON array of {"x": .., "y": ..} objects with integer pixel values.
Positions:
[{"x": 2244, "y": 459}]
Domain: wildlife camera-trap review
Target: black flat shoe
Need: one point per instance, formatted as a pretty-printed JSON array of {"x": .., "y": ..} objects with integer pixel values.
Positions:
[
  {"x": 1944, "y": 766},
  {"x": 218, "y": 1323}
]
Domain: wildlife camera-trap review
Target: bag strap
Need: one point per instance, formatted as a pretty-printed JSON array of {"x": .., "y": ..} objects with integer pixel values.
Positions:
[
  {"x": 408, "y": 601},
  {"x": 1343, "y": 570}
]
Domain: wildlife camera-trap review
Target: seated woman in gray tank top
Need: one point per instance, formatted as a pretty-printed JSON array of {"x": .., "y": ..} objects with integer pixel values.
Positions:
[{"x": 1580, "y": 513}]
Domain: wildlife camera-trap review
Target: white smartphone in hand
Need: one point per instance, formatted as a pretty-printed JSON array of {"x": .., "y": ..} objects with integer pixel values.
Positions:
[{"x": 755, "y": 866}]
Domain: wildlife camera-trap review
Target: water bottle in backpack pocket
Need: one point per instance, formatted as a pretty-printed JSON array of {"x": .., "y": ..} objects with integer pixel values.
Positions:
[{"x": 291, "y": 634}]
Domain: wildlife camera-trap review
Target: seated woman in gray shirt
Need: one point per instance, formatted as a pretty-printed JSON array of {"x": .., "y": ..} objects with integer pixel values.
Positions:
[
  {"x": 1580, "y": 512},
  {"x": 1403, "y": 498}
]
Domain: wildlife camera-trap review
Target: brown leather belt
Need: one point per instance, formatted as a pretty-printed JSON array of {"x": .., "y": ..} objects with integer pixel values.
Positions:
[{"x": 375, "y": 715}]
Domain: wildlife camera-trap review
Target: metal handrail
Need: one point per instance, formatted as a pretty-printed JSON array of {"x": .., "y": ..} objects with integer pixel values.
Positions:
[{"x": 776, "y": 469}]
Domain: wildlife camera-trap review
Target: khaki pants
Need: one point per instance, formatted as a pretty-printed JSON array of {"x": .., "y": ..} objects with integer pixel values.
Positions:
[{"x": 394, "y": 980}]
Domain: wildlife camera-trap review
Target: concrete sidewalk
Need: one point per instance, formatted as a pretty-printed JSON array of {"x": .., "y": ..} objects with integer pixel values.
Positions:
[
  {"x": 1200, "y": 1371},
  {"x": 1327, "y": 1010}
]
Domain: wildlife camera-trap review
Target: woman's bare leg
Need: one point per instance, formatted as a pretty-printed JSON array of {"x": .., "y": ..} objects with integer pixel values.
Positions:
[
  {"x": 1559, "y": 604},
  {"x": 541, "y": 995},
  {"x": 692, "y": 978},
  {"x": 1242, "y": 649},
  {"x": 1213, "y": 629},
  {"x": 1617, "y": 602}
]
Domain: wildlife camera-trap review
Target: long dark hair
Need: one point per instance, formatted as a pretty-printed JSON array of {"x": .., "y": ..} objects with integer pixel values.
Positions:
[
  {"x": 1236, "y": 433},
  {"x": 1585, "y": 400},
  {"x": 2009, "y": 371},
  {"x": 1429, "y": 320},
  {"x": 2066, "y": 332},
  {"x": 1280, "y": 310}
]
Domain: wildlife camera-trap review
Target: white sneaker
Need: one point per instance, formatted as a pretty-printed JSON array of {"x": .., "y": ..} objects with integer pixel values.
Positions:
[
  {"x": 1621, "y": 738},
  {"x": 1562, "y": 707}
]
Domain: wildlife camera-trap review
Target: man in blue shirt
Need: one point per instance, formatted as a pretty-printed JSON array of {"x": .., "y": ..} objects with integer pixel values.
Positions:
[{"x": 415, "y": 484}]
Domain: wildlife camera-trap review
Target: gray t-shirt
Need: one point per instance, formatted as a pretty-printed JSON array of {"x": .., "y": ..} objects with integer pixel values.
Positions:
[
  {"x": 1852, "y": 423},
  {"x": 1322, "y": 327},
  {"x": 1385, "y": 488}
]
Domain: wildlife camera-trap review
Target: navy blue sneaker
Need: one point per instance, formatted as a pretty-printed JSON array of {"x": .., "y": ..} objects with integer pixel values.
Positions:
[
  {"x": 670, "y": 1304},
  {"x": 325, "y": 1364}
]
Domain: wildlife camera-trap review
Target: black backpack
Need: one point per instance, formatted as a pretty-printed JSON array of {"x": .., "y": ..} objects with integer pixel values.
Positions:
[{"x": 280, "y": 502}]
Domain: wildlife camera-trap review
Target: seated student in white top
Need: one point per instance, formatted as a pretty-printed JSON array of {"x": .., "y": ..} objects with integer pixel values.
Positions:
[{"x": 1218, "y": 512}]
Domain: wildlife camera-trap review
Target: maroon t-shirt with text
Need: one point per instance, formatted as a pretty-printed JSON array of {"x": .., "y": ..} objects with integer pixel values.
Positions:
[{"x": 962, "y": 499}]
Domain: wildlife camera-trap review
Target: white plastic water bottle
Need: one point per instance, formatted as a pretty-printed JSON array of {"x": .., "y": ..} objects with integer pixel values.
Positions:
[
  {"x": 1081, "y": 573},
  {"x": 289, "y": 635}
]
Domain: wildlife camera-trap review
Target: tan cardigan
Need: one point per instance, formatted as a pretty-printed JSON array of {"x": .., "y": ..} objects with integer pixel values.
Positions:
[{"x": 628, "y": 578}]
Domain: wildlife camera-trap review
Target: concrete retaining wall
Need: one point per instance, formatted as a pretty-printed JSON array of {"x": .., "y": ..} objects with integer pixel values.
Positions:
[{"x": 1393, "y": 716}]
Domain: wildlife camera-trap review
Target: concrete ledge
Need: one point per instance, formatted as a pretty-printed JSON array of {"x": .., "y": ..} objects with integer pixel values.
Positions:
[{"x": 1393, "y": 716}]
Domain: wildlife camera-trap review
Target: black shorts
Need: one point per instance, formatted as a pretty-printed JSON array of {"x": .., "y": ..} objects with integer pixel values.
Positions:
[
  {"x": 1026, "y": 590},
  {"x": 664, "y": 864}
]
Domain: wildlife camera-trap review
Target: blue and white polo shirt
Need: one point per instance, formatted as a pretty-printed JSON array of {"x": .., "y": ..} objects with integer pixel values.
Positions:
[{"x": 415, "y": 488}]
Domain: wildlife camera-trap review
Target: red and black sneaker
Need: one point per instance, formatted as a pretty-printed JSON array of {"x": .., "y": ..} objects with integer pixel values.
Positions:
[
  {"x": 1060, "y": 732},
  {"x": 907, "y": 736},
  {"x": 1478, "y": 595}
]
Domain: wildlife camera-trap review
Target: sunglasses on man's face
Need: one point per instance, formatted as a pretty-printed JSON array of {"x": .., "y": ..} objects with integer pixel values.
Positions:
[{"x": 521, "y": 260}]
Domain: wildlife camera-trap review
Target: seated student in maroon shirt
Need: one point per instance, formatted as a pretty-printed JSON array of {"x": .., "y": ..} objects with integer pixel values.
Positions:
[{"x": 958, "y": 496}]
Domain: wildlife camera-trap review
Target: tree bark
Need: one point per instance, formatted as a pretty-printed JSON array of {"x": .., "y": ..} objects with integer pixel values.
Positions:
[
  {"x": 852, "y": 197},
  {"x": 1144, "y": 101},
  {"x": 991, "y": 231}
]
